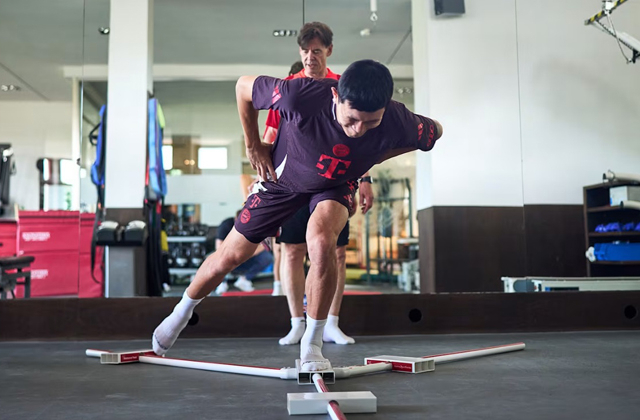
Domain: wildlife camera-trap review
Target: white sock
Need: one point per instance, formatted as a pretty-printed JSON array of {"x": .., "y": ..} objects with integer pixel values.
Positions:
[
  {"x": 277, "y": 288},
  {"x": 167, "y": 332},
  {"x": 311, "y": 358},
  {"x": 297, "y": 329},
  {"x": 333, "y": 333}
]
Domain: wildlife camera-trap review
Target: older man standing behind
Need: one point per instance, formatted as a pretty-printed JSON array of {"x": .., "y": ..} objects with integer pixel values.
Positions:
[{"x": 315, "y": 43}]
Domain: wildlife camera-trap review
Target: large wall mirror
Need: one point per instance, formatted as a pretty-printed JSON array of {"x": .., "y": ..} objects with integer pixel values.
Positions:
[
  {"x": 499, "y": 199},
  {"x": 40, "y": 102},
  {"x": 199, "y": 52}
]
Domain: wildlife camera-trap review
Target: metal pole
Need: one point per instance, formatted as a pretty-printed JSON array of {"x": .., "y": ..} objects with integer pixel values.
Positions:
[
  {"x": 366, "y": 247},
  {"x": 333, "y": 408},
  {"x": 408, "y": 185}
]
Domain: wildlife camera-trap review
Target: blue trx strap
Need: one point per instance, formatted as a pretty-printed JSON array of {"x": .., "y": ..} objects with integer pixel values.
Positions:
[
  {"x": 97, "y": 177},
  {"x": 157, "y": 178},
  {"x": 97, "y": 169},
  {"x": 156, "y": 189}
]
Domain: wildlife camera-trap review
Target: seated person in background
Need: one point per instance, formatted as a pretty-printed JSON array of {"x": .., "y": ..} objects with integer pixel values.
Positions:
[{"x": 248, "y": 270}]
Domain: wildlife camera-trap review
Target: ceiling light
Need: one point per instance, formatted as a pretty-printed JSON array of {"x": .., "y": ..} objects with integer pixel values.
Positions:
[
  {"x": 404, "y": 91},
  {"x": 285, "y": 32},
  {"x": 10, "y": 88},
  {"x": 104, "y": 31}
]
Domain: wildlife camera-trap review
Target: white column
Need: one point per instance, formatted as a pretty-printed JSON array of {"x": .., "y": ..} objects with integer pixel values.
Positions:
[
  {"x": 130, "y": 80},
  {"x": 76, "y": 111},
  {"x": 424, "y": 174},
  {"x": 466, "y": 77}
]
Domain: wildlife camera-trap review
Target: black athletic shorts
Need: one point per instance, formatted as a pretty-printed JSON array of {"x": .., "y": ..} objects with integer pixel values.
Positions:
[
  {"x": 272, "y": 204},
  {"x": 294, "y": 230}
]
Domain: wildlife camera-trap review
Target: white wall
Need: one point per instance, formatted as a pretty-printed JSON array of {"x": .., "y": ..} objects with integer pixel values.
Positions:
[
  {"x": 206, "y": 111},
  {"x": 36, "y": 130},
  {"x": 580, "y": 101},
  {"x": 470, "y": 81},
  {"x": 220, "y": 196},
  {"x": 533, "y": 107}
]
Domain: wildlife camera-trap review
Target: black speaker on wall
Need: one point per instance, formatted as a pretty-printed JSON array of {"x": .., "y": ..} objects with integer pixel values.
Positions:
[{"x": 449, "y": 7}]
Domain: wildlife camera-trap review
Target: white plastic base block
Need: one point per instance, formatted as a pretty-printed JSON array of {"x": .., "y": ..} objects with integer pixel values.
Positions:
[
  {"x": 118, "y": 358},
  {"x": 404, "y": 364},
  {"x": 316, "y": 403},
  {"x": 304, "y": 378}
]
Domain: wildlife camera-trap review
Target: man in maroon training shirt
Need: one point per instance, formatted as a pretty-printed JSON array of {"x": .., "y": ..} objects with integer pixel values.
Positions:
[{"x": 331, "y": 133}]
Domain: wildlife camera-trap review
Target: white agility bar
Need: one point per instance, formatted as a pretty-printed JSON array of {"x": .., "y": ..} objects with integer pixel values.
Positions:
[
  {"x": 347, "y": 372},
  {"x": 468, "y": 354},
  {"x": 283, "y": 373},
  {"x": 333, "y": 408},
  {"x": 95, "y": 353}
]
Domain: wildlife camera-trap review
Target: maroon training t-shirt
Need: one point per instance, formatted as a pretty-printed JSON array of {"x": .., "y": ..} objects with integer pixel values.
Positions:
[{"x": 312, "y": 153}]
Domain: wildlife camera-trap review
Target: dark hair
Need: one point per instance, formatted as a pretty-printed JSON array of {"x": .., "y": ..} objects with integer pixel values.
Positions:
[
  {"x": 296, "y": 68},
  {"x": 367, "y": 85},
  {"x": 313, "y": 30}
]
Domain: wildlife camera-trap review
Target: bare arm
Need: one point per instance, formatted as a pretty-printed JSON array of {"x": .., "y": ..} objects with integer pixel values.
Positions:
[
  {"x": 366, "y": 195},
  {"x": 259, "y": 154}
]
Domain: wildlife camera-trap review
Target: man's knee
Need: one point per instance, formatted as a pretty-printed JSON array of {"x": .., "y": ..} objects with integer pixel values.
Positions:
[
  {"x": 295, "y": 253},
  {"x": 321, "y": 244},
  {"x": 229, "y": 260},
  {"x": 341, "y": 255},
  {"x": 234, "y": 251}
]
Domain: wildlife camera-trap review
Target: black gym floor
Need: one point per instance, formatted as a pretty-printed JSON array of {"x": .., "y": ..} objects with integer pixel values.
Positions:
[{"x": 594, "y": 375}]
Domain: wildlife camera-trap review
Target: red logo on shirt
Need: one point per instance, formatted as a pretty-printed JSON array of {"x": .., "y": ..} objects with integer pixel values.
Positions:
[
  {"x": 330, "y": 166},
  {"x": 275, "y": 96},
  {"x": 420, "y": 129},
  {"x": 341, "y": 150},
  {"x": 245, "y": 216},
  {"x": 255, "y": 201}
]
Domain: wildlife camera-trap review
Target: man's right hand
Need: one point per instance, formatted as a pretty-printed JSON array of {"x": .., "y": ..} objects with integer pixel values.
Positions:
[{"x": 260, "y": 158}]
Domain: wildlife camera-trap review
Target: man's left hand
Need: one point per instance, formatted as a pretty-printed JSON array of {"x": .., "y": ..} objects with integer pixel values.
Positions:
[{"x": 366, "y": 196}]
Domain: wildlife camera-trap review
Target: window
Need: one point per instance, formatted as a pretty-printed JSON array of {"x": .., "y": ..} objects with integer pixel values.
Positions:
[
  {"x": 167, "y": 157},
  {"x": 68, "y": 172},
  {"x": 212, "y": 158}
]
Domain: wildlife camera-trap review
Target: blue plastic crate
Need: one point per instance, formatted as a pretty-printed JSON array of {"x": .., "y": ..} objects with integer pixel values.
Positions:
[{"x": 617, "y": 251}]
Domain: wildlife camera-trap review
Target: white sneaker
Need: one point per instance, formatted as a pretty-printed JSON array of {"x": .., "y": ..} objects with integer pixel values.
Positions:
[
  {"x": 243, "y": 284},
  {"x": 222, "y": 288},
  {"x": 277, "y": 289}
]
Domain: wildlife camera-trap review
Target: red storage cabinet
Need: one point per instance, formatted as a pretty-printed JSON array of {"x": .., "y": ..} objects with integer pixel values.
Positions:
[
  {"x": 86, "y": 231},
  {"x": 52, "y": 238},
  {"x": 53, "y": 274},
  {"x": 46, "y": 231},
  {"x": 89, "y": 287},
  {"x": 8, "y": 238}
]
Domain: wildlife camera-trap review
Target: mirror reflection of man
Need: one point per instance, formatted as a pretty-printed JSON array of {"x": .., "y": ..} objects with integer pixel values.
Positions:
[
  {"x": 315, "y": 44},
  {"x": 249, "y": 269}
]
